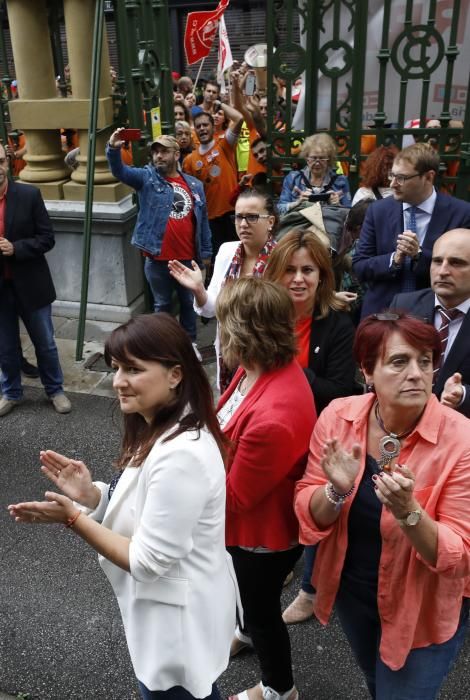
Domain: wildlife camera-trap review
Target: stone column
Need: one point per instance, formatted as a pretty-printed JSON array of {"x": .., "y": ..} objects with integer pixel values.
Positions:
[
  {"x": 34, "y": 67},
  {"x": 79, "y": 22}
]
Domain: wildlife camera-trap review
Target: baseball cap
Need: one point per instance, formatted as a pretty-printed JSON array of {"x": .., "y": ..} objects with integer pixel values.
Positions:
[{"x": 166, "y": 141}]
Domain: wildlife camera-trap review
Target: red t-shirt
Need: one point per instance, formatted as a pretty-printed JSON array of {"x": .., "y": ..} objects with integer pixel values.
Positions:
[
  {"x": 303, "y": 329},
  {"x": 178, "y": 239}
]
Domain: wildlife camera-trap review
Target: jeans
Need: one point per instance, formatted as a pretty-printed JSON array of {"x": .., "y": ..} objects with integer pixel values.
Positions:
[
  {"x": 260, "y": 579},
  {"x": 41, "y": 331},
  {"x": 310, "y": 552},
  {"x": 162, "y": 285},
  {"x": 175, "y": 693},
  {"x": 425, "y": 668}
]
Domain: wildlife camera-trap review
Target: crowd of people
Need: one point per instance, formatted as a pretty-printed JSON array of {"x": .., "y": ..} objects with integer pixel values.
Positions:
[{"x": 341, "y": 429}]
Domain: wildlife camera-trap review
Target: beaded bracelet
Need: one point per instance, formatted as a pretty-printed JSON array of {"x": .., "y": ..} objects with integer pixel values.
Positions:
[
  {"x": 335, "y": 498},
  {"x": 72, "y": 520}
]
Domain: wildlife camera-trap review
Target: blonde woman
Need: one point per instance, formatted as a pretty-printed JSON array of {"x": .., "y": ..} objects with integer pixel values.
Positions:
[{"x": 318, "y": 181}]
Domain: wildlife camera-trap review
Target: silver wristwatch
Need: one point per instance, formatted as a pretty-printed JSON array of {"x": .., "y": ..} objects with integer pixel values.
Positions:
[{"x": 413, "y": 518}]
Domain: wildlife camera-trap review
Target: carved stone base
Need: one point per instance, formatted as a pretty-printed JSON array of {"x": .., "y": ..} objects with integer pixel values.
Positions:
[
  {"x": 116, "y": 280},
  {"x": 112, "y": 192}
]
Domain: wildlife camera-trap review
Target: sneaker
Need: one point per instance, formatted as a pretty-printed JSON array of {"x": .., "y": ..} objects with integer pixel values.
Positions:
[
  {"x": 270, "y": 694},
  {"x": 196, "y": 350},
  {"x": 7, "y": 405},
  {"x": 300, "y": 609},
  {"x": 61, "y": 403},
  {"x": 28, "y": 369}
]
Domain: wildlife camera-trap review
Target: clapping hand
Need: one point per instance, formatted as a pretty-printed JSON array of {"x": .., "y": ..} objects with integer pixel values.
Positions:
[
  {"x": 394, "y": 489},
  {"x": 453, "y": 391},
  {"x": 407, "y": 245},
  {"x": 71, "y": 476},
  {"x": 340, "y": 466},
  {"x": 55, "y": 509}
]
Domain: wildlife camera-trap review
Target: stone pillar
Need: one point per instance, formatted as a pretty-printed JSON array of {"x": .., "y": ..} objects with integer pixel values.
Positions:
[
  {"x": 79, "y": 21},
  {"x": 34, "y": 67}
]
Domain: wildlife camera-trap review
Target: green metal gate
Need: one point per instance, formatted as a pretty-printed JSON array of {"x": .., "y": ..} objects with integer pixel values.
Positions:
[{"x": 367, "y": 68}]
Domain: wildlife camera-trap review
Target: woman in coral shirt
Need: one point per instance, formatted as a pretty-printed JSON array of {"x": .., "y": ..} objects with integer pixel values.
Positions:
[{"x": 387, "y": 495}]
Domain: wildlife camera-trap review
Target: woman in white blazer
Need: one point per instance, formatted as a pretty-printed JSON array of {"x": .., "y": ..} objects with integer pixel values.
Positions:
[
  {"x": 255, "y": 222},
  {"x": 161, "y": 539}
]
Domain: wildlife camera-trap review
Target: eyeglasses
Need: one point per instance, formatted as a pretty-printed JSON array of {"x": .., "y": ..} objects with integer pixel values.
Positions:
[
  {"x": 401, "y": 179},
  {"x": 386, "y": 316},
  {"x": 313, "y": 159},
  {"x": 249, "y": 218}
]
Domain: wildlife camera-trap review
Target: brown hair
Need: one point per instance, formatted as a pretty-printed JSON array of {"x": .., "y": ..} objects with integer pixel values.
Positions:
[
  {"x": 160, "y": 338},
  {"x": 257, "y": 321},
  {"x": 280, "y": 258},
  {"x": 267, "y": 200}
]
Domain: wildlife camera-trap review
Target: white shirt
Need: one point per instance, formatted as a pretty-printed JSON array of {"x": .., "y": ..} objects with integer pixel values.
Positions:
[{"x": 454, "y": 326}]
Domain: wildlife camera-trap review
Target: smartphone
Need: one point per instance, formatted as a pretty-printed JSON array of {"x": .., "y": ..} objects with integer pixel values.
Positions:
[
  {"x": 250, "y": 84},
  {"x": 321, "y": 197},
  {"x": 130, "y": 135}
]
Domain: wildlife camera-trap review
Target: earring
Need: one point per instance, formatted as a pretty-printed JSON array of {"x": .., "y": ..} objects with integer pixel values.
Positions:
[{"x": 370, "y": 387}]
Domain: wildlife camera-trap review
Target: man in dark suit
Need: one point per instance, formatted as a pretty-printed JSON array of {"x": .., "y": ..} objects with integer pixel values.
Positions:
[
  {"x": 447, "y": 306},
  {"x": 26, "y": 291},
  {"x": 394, "y": 249}
]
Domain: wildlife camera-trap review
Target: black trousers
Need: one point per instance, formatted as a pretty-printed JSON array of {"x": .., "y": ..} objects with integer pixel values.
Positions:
[{"x": 260, "y": 579}]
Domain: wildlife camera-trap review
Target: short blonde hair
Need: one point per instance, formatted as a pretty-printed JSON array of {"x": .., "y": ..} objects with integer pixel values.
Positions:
[
  {"x": 257, "y": 324},
  {"x": 323, "y": 142},
  {"x": 280, "y": 258}
]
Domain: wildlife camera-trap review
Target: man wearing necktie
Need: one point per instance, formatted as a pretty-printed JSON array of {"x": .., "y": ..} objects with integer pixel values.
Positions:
[
  {"x": 447, "y": 305},
  {"x": 394, "y": 249}
]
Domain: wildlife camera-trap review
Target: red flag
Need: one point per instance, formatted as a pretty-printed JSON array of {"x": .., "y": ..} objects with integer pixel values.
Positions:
[{"x": 201, "y": 28}]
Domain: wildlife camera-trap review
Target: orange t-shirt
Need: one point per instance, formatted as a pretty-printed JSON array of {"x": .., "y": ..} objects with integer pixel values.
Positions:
[
  {"x": 217, "y": 170},
  {"x": 302, "y": 332}
]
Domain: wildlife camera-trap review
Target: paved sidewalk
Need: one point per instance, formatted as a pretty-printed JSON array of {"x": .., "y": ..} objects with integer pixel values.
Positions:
[{"x": 93, "y": 377}]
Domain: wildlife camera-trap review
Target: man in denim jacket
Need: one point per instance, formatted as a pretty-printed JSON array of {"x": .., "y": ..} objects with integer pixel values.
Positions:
[{"x": 172, "y": 223}]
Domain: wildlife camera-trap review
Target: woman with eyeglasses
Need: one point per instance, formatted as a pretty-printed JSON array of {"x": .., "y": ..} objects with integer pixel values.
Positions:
[
  {"x": 255, "y": 222},
  {"x": 318, "y": 181},
  {"x": 386, "y": 494}
]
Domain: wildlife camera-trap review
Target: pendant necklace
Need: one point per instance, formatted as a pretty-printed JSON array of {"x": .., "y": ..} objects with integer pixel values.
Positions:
[{"x": 389, "y": 445}]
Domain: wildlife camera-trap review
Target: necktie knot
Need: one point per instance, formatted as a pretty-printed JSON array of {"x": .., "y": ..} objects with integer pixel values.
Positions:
[{"x": 448, "y": 315}]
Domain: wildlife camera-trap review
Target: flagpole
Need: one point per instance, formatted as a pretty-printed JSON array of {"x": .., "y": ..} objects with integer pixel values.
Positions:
[{"x": 199, "y": 73}]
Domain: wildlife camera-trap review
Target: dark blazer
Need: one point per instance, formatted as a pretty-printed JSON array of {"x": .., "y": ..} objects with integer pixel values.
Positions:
[
  {"x": 421, "y": 305},
  {"x": 28, "y": 227},
  {"x": 383, "y": 223},
  {"x": 331, "y": 367}
]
